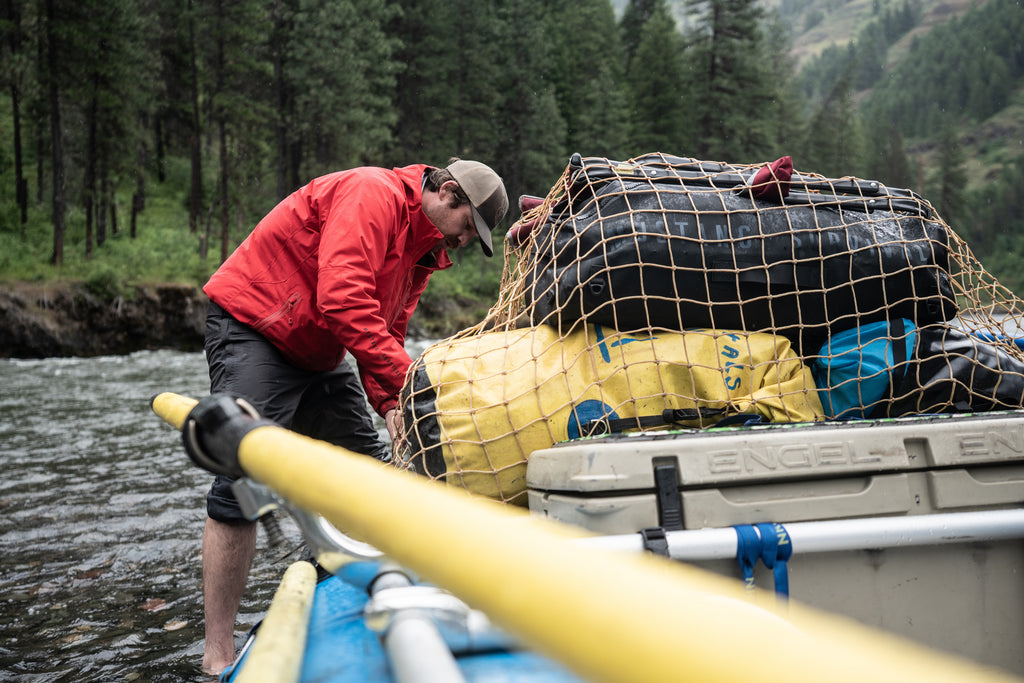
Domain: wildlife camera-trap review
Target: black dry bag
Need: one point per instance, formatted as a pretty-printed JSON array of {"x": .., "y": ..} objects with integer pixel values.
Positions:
[{"x": 676, "y": 243}]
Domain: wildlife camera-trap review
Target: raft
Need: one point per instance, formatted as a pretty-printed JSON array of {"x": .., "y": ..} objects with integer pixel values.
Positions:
[{"x": 575, "y": 605}]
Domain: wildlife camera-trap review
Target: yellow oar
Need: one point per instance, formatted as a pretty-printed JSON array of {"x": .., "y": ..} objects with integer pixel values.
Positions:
[{"x": 608, "y": 616}]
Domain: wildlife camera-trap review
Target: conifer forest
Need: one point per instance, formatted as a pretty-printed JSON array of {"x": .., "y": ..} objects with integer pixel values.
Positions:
[{"x": 246, "y": 100}]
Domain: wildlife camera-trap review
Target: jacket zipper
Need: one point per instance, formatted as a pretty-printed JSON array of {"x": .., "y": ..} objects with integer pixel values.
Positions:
[{"x": 285, "y": 309}]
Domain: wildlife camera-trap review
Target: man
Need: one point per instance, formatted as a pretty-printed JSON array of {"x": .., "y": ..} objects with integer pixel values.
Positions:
[{"x": 336, "y": 267}]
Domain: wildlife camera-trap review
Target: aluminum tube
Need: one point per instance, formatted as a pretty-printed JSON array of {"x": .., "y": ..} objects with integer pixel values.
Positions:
[
  {"x": 844, "y": 534},
  {"x": 417, "y": 652}
]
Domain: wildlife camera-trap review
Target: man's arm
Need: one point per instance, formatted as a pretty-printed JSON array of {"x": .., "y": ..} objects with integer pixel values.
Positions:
[{"x": 359, "y": 227}]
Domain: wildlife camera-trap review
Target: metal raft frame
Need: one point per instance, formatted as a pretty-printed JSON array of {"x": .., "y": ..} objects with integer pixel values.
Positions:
[{"x": 839, "y": 535}]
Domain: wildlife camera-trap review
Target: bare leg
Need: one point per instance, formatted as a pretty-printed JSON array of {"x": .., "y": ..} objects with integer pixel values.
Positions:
[{"x": 227, "y": 555}]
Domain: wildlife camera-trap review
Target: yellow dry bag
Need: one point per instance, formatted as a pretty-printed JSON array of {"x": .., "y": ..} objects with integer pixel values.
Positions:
[{"x": 475, "y": 408}]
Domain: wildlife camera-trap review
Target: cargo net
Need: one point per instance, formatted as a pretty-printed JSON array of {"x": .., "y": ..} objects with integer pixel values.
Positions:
[{"x": 670, "y": 293}]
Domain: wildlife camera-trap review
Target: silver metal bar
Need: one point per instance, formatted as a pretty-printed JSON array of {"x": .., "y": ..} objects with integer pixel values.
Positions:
[
  {"x": 402, "y": 614},
  {"x": 416, "y": 651},
  {"x": 838, "y": 535}
]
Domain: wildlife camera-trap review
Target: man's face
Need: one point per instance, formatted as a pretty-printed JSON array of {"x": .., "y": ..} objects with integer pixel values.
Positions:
[{"x": 454, "y": 222}]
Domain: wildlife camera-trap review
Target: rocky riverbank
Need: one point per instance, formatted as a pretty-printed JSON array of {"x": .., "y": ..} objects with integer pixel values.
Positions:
[
  {"x": 42, "y": 321},
  {"x": 71, "y": 319}
]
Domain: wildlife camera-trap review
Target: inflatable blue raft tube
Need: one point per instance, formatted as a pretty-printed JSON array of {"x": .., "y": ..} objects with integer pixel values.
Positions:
[{"x": 341, "y": 648}]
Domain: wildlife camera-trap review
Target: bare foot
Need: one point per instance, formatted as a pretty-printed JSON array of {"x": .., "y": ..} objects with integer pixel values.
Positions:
[{"x": 216, "y": 667}]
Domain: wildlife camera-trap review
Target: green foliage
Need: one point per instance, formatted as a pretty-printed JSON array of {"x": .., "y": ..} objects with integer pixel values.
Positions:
[
  {"x": 448, "y": 95},
  {"x": 738, "y": 78},
  {"x": 965, "y": 68},
  {"x": 589, "y": 76},
  {"x": 834, "y": 145},
  {"x": 163, "y": 251},
  {"x": 657, "y": 85},
  {"x": 887, "y": 160},
  {"x": 460, "y": 297},
  {"x": 284, "y": 90},
  {"x": 948, "y": 183},
  {"x": 531, "y": 127},
  {"x": 993, "y": 219},
  {"x": 863, "y": 60},
  {"x": 340, "y": 71},
  {"x": 104, "y": 282}
]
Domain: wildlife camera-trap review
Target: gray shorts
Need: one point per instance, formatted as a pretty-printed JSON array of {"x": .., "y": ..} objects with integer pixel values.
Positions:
[{"x": 329, "y": 406}]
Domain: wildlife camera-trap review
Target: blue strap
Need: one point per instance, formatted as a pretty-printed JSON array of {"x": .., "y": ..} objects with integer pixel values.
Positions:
[
  {"x": 776, "y": 549},
  {"x": 1018, "y": 342},
  {"x": 748, "y": 549}
]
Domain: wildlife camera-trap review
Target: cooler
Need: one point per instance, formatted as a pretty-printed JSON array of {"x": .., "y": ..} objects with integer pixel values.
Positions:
[{"x": 961, "y": 595}]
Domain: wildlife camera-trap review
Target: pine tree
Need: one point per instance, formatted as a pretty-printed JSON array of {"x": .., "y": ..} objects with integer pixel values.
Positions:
[
  {"x": 115, "y": 96},
  {"x": 531, "y": 131},
  {"x": 449, "y": 92},
  {"x": 14, "y": 72},
  {"x": 339, "y": 63},
  {"x": 834, "y": 141},
  {"x": 234, "y": 66},
  {"x": 949, "y": 179},
  {"x": 634, "y": 16},
  {"x": 659, "y": 98},
  {"x": 732, "y": 84},
  {"x": 589, "y": 78},
  {"x": 55, "y": 31},
  {"x": 785, "y": 127},
  {"x": 888, "y": 162}
]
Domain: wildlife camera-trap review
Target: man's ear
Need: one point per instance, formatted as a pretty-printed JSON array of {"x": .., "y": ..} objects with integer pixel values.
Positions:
[{"x": 446, "y": 193}]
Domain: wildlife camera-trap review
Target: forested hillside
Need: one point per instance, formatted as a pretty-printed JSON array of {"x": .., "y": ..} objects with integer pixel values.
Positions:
[{"x": 143, "y": 138}]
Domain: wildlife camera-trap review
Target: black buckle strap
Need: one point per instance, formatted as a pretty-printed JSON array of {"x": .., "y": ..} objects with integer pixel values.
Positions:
[
  {"x": 670, "y": 506},
  {"x": 666, "y": 488},
  {"x": 655, "y": 540},
  {"x": 669, "y": 416}
]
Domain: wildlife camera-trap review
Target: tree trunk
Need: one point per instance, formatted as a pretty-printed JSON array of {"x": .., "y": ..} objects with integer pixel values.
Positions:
[
  {"x": 41, "y": 165},
  {"x": 195, "y": 205},
  {"x": 108, "y": 192},
  {"x": 225, "y": 225},
  {"x": 105, "y": 200},
  {"x": 13, "y": 16},
  {"x": 282, "y": 101},
  {"x": 89, "y": 190},
  {"x": 20, "y": 184},
  {"x": 57, "y": 146},
  {"x": 295, "y": 162},
  {"x": 39, "y": 119},
  {"x": 161, "y": 172},
  {"x": 139, "y": 196}
]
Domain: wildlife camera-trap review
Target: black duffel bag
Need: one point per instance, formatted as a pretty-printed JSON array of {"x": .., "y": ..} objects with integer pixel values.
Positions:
[
  {"x": 953, "y": 371},
  {"x": 677, "y": 243}
]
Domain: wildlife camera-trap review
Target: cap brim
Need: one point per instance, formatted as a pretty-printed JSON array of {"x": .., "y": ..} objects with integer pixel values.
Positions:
[{"x": 484, "y": 231}]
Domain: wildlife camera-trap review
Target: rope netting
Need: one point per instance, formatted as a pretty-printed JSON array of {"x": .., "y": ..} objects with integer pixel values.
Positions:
[{"x": 671, "y": 293}]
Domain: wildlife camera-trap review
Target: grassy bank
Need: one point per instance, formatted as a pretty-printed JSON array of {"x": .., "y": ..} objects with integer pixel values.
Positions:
[{"x": 165, "y": 251}]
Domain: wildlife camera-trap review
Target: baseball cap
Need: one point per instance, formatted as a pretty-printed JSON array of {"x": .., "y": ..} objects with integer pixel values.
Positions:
[{"x": 487, "y": 197}]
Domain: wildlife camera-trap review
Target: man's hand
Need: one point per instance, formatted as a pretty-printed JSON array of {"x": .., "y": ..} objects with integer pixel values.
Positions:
[{"x": 393, "y": 422}]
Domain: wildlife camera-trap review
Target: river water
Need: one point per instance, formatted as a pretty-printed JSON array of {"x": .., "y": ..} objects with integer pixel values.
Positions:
[{"x": 101, "y": 516}]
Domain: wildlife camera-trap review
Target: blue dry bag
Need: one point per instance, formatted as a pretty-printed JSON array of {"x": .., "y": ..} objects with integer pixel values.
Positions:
[{"x": 853, "y": 370}]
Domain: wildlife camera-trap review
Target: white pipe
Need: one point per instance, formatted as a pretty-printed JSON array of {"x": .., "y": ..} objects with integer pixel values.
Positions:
[
  {"x": 415, "y": 648},
  {"x": 417, "y": 653},
  {"x": 843, "y": 534}
]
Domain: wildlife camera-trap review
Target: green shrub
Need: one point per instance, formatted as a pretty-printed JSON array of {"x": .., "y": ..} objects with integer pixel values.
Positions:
[{"x": 104, "y": 282}]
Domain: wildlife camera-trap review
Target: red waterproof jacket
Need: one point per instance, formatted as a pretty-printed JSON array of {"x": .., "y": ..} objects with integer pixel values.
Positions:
[{"x": 338, "y": 265}]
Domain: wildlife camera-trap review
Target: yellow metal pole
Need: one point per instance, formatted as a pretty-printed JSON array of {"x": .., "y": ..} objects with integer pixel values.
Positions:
[
  {"x": 276, "y": 656},
  {"x": 609, "y": 616}
]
